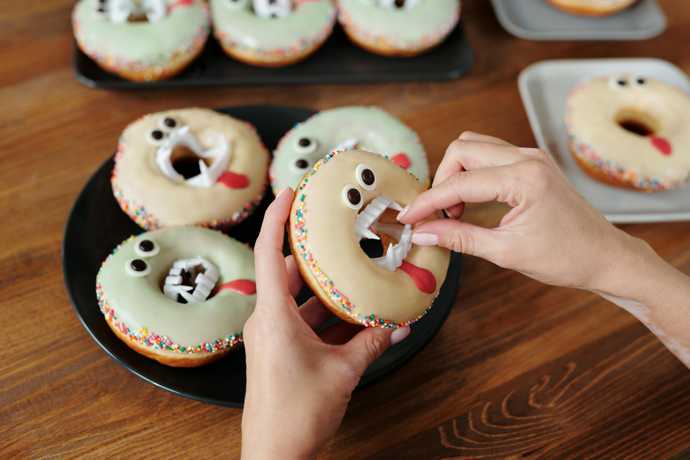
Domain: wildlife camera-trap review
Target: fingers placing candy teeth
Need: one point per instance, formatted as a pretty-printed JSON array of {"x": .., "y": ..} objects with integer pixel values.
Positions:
[
  {"x": 396, "y": 253},
  {"x": 182, "y": 274}
]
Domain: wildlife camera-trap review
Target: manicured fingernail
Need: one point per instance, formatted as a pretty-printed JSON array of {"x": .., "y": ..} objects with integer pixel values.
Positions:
[
  {"x": 425, "y": 239},
  {"x": 400, "y": 334},
  {"x": 403, "y": 212},
  {"x": 282, "y": 192}
]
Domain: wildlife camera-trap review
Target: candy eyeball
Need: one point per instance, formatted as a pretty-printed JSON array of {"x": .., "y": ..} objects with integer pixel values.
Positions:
[
  {"x": 639, "y": 81},
  {"x": 146, "y": 248},
  {"x": 352, "y": 197},
  {"x": 137, "y": 268},
  {"x": 300, "y": 165},
  {"x": 365, "y": 177},
  {"x": 157, "y": 136},
  {"x": 619, "y": 82},
  {"x": 168, "y": 123},
  {"x": 306, "y": 145}
]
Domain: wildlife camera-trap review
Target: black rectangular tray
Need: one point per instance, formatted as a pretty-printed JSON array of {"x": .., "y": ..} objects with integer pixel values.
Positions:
[{"x": 338, "y": 61}]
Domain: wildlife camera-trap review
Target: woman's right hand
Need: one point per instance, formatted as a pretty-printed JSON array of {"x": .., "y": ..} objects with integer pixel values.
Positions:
[{"x": 551, "y": 233}]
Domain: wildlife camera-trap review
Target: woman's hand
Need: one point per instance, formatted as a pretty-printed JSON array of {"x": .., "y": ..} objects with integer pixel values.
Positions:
[
  {"x": 551, "y": 233},
  {"x": 298, "y": 383}
]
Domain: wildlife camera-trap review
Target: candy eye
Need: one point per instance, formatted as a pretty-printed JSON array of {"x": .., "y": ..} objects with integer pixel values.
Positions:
[
  {"x": 168, "y": 122},
  {"x": 618, "y": 82},
  {"x": 366, "y": 177},
  {"x": 306, "y": 145},
  {"x": 300, "y": 165},
  {"x": 146, "y": 248},
  {"x": 156, "y": 137},
  {"x": 352, "y": 197},
  {"x": 640, "y": 81},
  {"x": 137, "y": 267}
]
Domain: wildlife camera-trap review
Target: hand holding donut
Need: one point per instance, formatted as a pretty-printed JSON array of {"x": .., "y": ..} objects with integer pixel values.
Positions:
[{"x": 298, "y": 383}]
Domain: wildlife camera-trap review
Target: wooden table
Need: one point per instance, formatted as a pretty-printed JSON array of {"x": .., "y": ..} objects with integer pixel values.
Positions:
[{"x": 519, "y": 369}]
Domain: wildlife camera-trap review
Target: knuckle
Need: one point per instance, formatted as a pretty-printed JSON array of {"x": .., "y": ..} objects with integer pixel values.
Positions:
[
  {"x": 460, "y": 242},
  {"x": 538, "y": 175},
  {"x": 466, "y": 135}
]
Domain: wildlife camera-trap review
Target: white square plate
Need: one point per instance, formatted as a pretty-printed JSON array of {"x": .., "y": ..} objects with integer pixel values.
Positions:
[
  {"x": 537, "y": 20},
  {"x": 545, "y": 87}
]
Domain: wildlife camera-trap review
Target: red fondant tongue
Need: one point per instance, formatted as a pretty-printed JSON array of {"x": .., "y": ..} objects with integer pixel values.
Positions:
[
  {"x": 233, "y": 180},
  {"x": 244, "y": 287},
  {"x": 423, "y": 278},
  {"x": 401, "y": 160},
  {"x": 662, "y": 145}
]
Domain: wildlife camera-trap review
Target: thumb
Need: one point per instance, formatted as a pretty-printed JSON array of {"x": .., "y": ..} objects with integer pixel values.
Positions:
[
  {"x": 370, "y": 343},
  {"x": 459, "y": 237}
]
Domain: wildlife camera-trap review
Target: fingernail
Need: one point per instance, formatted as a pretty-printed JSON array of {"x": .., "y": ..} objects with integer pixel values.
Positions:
[
  {"x": 425, "y": 239},
  {"x": 400, "y": 334},
  {"x": 282, "y": 192},
  {"x": 403, "y": 212}
]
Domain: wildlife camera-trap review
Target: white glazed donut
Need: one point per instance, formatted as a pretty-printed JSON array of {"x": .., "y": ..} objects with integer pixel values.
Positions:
[
  {"x": 141, "y": 40},
  {"x": 593, "y": 7},
  {"x": 631, "y": 131},
  {"x": 366, "y": 128},
  {"x": 272, "y": 33},
  {"x": 353, "y": 195},
  {"x": 145, "y": 289},
  {"x": 398, "y": 27},
  {"x": 189, "y": 167}
]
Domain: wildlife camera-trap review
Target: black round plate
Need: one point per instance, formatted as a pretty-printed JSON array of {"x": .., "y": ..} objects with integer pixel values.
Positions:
[{"x": 96, "y": 225}]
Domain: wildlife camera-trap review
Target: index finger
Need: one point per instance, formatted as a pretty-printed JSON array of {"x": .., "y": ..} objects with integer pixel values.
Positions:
[{"x": 271, "y": 272}]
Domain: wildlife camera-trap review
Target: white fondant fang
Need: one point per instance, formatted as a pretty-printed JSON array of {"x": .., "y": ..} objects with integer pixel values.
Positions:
[
  {"x": 204, "y": 282},
  {"x": 396, "y": 253},
  {"x": 119, "y": 11},
  {"x": 272, "y": 8}
]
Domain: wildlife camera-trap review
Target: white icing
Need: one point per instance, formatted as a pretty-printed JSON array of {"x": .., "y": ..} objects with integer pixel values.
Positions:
[
  {"x": 347, "y": 144},
  {"x": 204, "y": 282},
  {"x": 218, "y": 153},
  {"x": 272, "y": 8}
]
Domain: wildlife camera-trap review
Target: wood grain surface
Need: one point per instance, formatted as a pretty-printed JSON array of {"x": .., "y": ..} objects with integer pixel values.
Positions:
[{"x": 519, "y": 370}]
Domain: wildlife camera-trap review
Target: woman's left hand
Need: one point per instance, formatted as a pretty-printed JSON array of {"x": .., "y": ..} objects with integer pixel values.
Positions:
[{"x": 298, "y": 382}]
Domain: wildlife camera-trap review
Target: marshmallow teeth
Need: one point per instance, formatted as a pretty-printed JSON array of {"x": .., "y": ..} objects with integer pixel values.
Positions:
[
  {"x": 203, "y": 284},
  {"x": 396, "y": 253},
  {"x": 219, "y": 154}
]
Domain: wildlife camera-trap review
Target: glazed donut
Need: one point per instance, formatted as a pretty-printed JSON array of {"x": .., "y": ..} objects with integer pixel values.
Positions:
[
  {"x": 272, "y": 33},
  {"x": 366, "y": 128},
  {"x": 141, "y": 40},
  {"x": 189, "y": 167},
  {"x": 398, "y": 27},
  {"x": 144, "y": 288},
  {"x": 348, "y": 197},
  {"x": 631, "y": 131},
  {"x": 592, "y": 7}
]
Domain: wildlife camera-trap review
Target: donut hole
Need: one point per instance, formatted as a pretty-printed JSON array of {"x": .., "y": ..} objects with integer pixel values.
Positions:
[
  {"x": 399, "y": 3},
  {"x": 189, "y": 279},
  {"x": 372, "y": 248},
  {"x": 186, "y": 162},
  {"x": 637, "y": 122}
]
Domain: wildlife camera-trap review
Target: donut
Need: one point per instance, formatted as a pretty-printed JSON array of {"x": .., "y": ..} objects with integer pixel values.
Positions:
[
  {"x": 367, "y": 128},
  {"x": 592, "y": 7},
  {"x": 146, "y": 288},
  {"x": 630, "y": 131},
  {"x": 398, "y": 27},
  {"x": 189, "y": 167},
  {"x": 350, "y": 197},
  {"x": 141, "y": 40},
  {"x": 272, "y": 33}
]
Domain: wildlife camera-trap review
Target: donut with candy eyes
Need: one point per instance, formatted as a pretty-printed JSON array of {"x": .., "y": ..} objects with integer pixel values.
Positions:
[
  {"x": 631, "y": 131},
  {"x": 272, "y": 33},
  {"x": 178, "y": 295},
  {"x": 592, "y": 7},
  {"x": 189, "y": 167},
  {"x": 398, "y": 27},
  {"x": 349, "y": 197},
  {"x": 141, "y": 40},
  {"x": 342, "y": 128}
]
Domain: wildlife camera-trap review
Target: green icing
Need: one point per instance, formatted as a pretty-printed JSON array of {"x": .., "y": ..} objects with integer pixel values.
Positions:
[
  {"x": 140, "y": 303},
  {"x": 238, "y": 24},
  {"x": 405, "y": 27},
  {"x": 376, "y": 130},
  {"x": 140, "y": 42}
]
